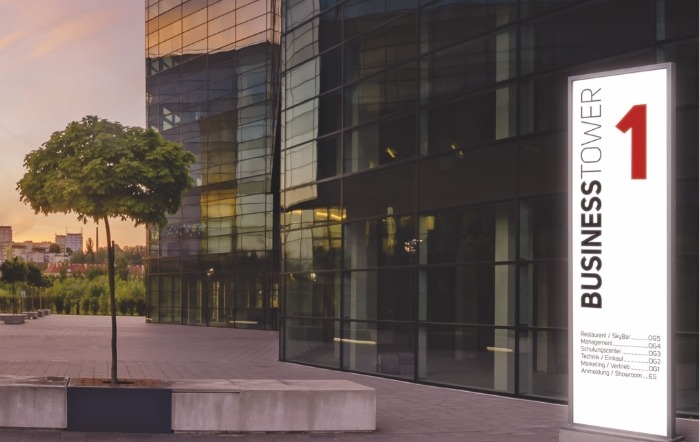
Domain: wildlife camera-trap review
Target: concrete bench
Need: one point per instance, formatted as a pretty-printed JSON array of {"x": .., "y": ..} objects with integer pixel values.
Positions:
[
  {"x": 32, "y": 402},
  {"x": 13, "y": 319},
  {"x": 40, "y": 313},
  {"x": 31, "y": 315},
  {"x": 47, "y": 311},
  {"x": 272, "y": 406}
]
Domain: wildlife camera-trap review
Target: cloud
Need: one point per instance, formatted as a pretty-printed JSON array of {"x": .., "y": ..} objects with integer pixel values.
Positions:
[
  {"x": 22, "y": 224},
  {"x": 8, "y": 40},
  {"x": 67, "y": 31}
]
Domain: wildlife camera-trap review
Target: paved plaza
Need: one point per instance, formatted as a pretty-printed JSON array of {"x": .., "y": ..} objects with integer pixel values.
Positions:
[{"x": 79, "y": 346}]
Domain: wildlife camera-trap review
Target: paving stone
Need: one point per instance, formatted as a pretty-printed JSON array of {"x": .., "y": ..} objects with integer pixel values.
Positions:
[{"x": 79, "y": 346}]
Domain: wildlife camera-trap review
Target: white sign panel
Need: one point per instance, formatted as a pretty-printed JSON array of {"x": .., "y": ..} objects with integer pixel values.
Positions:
[{"x": 620, "y": 249}]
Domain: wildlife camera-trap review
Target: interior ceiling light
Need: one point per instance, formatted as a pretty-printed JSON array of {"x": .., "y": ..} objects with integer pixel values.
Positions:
[{"x": 458, "y": 151}]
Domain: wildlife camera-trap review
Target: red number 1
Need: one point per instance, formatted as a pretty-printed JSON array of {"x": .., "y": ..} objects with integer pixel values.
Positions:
[{"x": 636, "y": 120}]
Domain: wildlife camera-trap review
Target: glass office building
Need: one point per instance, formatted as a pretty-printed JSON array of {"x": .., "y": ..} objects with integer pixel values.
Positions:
[
  {"x": 424, "y": 182},
  {"x": 212, "y": 70},
  {"x": 407, "y": 205}
]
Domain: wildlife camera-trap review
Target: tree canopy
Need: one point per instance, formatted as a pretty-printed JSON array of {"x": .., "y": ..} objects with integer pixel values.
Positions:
[
  {"x": 100, "y": 169},
  {"x": 33, "y": 275},
  {"x": 12, "y": 271}
]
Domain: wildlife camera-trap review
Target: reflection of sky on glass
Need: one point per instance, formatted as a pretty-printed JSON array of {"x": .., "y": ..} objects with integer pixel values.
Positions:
[
  {"x": 62, "y": 60},
  {"x": 221, "y": 27}
]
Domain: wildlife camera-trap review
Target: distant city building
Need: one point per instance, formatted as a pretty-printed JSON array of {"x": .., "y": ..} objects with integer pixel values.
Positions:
[
  {"x": 5, "y": 242},
  {"x": 5, "y": 252},
  {"x": 72, "y": 241},
  {"x": 30, "y": 251},
  {"x": 57, "y": 258},
  {"x": 61, "y": 241},
  {"x": 5, "y": 235}
]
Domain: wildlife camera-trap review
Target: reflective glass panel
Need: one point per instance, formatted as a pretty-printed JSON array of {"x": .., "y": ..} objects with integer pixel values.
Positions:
[
  {"x": 309, "y": 250},
  {"x": 384, "y": 194},
  {"x": 364, "y": 15},
  {"x": 331, "y": 71},
  {"x": 385, "y": 348},
  {"x": 313, "y": 294},
  {"x": 475, "y": 294},
  {"x": 330, "y": 28},
  {"x": 543, "y": 228},
  {"x": 676, "y": 19},
  {"x": 469, "y": 66},
  {"x": 484, "y": 233},
  {"x": 686, "y": 355},
  {"x": 464, "y": 176},
  {"x": 379, "y": 295},
  {"x": 473, "y": 357},
  {"x": 391, "y": 91},
  {"x": 685, "y": 57},
  {"x": 595, "y": 30},
  {"x": 300, "y": 44},
  {"x": 534, "y": 7},
  {"x": 543, "y": 294},
  {"x": 380, "y": 143},
  {"x": 539, "y": 166},
  {"x": 312, "y": 341},
  {"x": 469, "y": 122},
  {"x": 544, "y": 363},
  {"x": 329, "y": 157},
  {"x": 447, "y": 21},
  {"x": 383, "y": 47}
]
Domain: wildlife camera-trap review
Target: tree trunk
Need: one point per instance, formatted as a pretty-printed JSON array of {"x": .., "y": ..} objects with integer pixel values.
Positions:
[{"x": 112, "y": 301}]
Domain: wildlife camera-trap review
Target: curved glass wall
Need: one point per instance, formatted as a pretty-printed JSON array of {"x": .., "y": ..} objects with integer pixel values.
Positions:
[
  {"x": 212, "y": 84},
  {"x": 423, "y": 183}
]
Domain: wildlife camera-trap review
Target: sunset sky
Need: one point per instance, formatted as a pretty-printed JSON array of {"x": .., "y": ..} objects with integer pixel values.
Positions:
[{"x": 62, "y": 60}]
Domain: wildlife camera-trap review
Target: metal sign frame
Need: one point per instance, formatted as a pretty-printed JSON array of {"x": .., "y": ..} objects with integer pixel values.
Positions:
[{"x": 588, "y": 236}]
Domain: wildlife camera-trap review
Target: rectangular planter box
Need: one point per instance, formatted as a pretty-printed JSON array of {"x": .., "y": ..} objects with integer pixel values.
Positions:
[
  {"x": 33, "y": 402},
  {"x": 206, "y": 405},
  {"x": 272, "y": 406},
  {"x": 13, "y": 319},
  {"x": 317, "y": 405},
  {"x": 143, "y": 406}
]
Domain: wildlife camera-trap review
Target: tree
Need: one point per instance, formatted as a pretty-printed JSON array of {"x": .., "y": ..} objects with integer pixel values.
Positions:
[
  {"x": 63, "y": 272},
  {"x": 135, "y": 255},
  {"x": 89, "y": 250},
  {"x": 100, "y": 256},
  {"x": 122, "y": 267},
  {"x": 93, "y": 272},
  {"x": 13, "y": 270},
  {"x": 34, "y": 278},
  {"x": 99, "y": 170},
  {"x": 54, "y": 248},
  {"x": 78, "y": 257},
  {"x": 43, "y": 283}
]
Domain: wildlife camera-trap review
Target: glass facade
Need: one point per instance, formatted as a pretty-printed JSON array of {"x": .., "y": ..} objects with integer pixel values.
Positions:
[
  {"x": 423, "y": 183},
  {"x": 391, "y": 175},
  {"x": 212, "y": 84}
]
